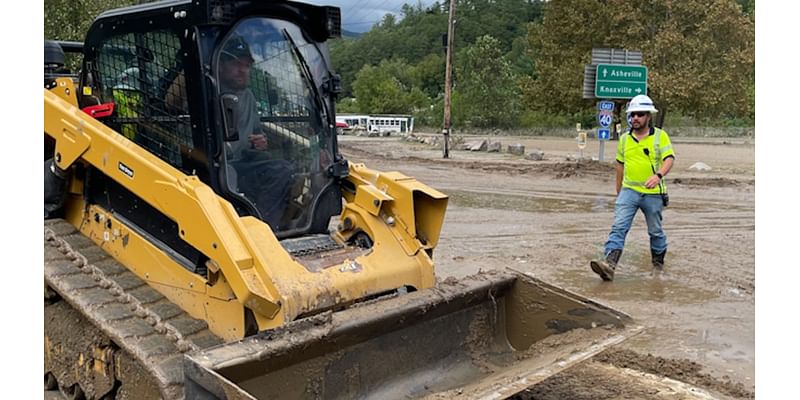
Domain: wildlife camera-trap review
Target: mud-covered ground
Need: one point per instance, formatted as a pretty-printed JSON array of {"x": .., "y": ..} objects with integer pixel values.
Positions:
[{"x": 552, "y": 217}]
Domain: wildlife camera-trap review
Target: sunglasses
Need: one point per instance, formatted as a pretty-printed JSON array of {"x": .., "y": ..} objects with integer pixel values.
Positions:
[{"x": 639, "y": 114}]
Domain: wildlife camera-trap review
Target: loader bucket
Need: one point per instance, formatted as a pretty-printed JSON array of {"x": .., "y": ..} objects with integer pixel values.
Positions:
[{"x": 489, "y": 335}]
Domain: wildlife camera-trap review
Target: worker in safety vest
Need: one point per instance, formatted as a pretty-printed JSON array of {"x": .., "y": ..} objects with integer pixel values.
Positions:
[
  {"x": 644, "y": 157},
  {"x": 128, "y": 99}
]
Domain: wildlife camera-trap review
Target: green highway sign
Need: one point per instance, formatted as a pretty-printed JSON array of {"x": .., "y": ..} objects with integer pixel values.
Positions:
[{"x": 616, "y": 81}]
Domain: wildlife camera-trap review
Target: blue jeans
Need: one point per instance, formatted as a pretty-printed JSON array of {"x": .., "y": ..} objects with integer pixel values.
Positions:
[{"x": 628, "y": 202}]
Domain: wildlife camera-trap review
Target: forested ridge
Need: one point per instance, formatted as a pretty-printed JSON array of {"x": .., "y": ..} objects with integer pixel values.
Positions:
[{"x": 519, "y": 63}]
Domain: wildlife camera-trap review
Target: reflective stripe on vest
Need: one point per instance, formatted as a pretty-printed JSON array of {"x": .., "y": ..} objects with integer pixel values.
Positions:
[{"x": 632, "y": 183}]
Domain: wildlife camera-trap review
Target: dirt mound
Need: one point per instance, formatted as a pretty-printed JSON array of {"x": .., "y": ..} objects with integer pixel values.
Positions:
[
  {"x": 588, "y": 381},
  {"x": 558, "y": 170},
  {"x": 582, "y": 168},
  {"x": 682, "y": 370},
  {"x": 602, "y": 378},
  {"x": 713, "y": 182}
]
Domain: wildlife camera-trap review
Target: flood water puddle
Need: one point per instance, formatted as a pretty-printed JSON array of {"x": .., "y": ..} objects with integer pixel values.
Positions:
[
  {"x": 558, "y": 203},
  {"x": 636, "y": 284},
  {"x": 512, "y": 202}
]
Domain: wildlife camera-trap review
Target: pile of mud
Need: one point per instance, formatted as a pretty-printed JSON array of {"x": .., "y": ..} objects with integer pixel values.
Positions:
[
  {"x": 682, "y": 370},
  {"x": 712, "y": 182},
  {"x": 556, "y": 169},
  {"x": 582, "y": 168},
  {"x": 601, "y": 378}
]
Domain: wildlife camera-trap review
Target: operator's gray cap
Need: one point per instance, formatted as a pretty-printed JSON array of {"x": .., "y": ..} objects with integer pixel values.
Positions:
[{"x": 236, "y": 47}]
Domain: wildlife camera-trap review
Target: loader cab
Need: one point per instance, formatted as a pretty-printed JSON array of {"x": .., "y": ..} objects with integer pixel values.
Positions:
[
  {"x": 161, "y": 65},
  {"x": 278, "y": 144}
]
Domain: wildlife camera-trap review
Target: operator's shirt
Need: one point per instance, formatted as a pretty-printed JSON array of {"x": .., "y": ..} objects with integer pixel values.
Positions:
[
  {"x": 638, "y": 164},
  {"x": 248, "y": 123}
]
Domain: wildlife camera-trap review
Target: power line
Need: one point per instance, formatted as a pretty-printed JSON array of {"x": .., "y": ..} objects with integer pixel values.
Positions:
[
  {"x": 376, "y": 8},
  {"x": 375, "y": 21},
  {"x": 357, "y": 6},
  {"x": 396, "y": 11},
  {"x": 358, "y": 10}
]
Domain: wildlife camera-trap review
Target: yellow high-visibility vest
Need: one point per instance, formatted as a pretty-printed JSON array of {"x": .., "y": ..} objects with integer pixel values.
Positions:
[{"x": 640, "y": 164}]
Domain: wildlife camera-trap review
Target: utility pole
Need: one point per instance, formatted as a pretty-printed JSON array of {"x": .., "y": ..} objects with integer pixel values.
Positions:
[{"x": 448, "y": 78}]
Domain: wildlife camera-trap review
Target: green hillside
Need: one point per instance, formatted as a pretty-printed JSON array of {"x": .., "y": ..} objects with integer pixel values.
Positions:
[{"x": 520, "y": 63}]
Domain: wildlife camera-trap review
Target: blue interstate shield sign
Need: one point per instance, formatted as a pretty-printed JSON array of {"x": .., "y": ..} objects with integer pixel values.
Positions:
[{"x": 605, "y": 119}]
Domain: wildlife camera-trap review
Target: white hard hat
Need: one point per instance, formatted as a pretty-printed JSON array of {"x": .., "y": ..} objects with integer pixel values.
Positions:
[
  {"x": 641, "y": 103},
  {"x": 128, "y": 79}
]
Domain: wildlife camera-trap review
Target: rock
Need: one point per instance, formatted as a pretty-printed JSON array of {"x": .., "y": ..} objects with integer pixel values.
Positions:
[
  {"x": 494, "y": 147},
  {"x": 477, "y": 145},
  {"x": 536, "y": 155},
  {"x": 431, "y": 140},
  {"x": 699, "y": 166},
  {"x": 516, "y": 149}
]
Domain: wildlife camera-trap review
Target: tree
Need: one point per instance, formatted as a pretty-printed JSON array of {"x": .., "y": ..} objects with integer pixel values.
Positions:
[
  {"x": 70, "y": 19},
  {"x": 748, "y": 6},
  {"x": 428, "y": 74},
  {"x": 419, "y": 35},
  {"x": 386, "y": 89},
  {"x": 389, "y": 20},
  {"x": 700, "y": 54},
  {"x": 487, "y": 86}
]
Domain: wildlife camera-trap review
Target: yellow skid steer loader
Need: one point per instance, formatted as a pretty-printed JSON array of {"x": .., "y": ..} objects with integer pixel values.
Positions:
[{"x": 204, "y": 238}]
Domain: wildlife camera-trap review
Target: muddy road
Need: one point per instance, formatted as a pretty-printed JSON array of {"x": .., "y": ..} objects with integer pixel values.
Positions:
[{"x": 552, "y": 217}]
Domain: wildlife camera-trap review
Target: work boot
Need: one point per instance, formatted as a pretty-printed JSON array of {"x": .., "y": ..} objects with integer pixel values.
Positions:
[
  {"x": 606, "y": 268},
  {"x": 658, "y": 259}
]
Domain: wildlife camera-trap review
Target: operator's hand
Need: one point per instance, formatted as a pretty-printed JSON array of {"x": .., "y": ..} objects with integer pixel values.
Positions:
[
  {"x": 652, "y": 181},
  {"x": 258, "y": 141}
]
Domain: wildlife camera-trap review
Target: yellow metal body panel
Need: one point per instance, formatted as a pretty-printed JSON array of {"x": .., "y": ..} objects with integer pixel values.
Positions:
[
  {"x": 417, "y": 208},
  {"x": 250, "y": 268}
]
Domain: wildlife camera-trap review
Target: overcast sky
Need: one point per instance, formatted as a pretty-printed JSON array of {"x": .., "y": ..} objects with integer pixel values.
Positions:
[{"x": 360, "y": 15}]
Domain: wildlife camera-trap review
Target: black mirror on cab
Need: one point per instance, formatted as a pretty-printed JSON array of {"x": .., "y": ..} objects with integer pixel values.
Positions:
[{"x": 230, "y": 117}]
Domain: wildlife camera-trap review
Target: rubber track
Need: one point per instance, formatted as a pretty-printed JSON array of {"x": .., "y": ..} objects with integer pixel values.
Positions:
[{"x": 138, "y": 319}]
